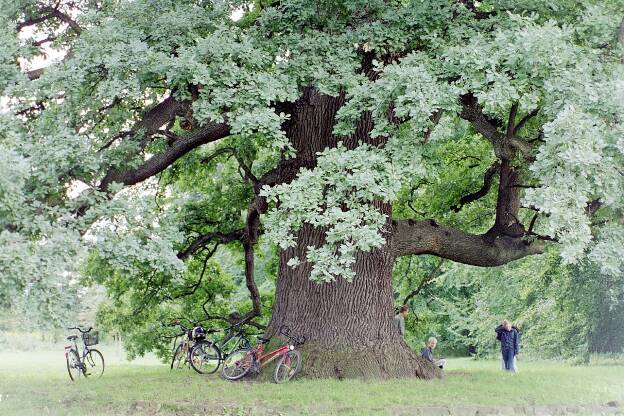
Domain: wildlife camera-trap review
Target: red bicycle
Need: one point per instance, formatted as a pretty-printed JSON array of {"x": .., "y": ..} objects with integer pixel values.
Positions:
[{"x": 241, "y": 361}]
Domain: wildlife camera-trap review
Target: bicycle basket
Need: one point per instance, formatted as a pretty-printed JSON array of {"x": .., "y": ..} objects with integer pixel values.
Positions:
[{"x": 91, "y": 338}]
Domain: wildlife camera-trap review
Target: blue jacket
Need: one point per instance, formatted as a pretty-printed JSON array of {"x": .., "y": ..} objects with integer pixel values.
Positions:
[{"x": 510, "y": 340}]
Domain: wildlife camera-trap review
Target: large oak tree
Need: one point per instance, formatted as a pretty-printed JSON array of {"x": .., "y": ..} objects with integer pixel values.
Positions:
[{"x": 332, "y": 113}]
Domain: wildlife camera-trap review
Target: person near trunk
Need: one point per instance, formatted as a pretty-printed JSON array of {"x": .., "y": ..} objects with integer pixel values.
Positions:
[
  {"x": 427, "y": 353},
  {"x": 399, "y": 319},
  {"x": 509, "y": 338}
]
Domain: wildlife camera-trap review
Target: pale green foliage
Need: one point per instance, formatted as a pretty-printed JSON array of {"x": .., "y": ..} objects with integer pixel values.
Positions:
[
  {"x": 336, "y": 196},
  {"x": 9, "y": 49},
  {"x": 135, "y": 235},
  {"x": 410, "y": 88},
  {"x": 607, "y": 252},
  {"x": 13, "y": 174},
  {"x": 581, "y": 161},
  {"x": 560, "y": 57}
]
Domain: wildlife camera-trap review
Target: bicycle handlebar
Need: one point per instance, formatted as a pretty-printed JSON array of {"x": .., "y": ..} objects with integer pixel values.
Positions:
[
  {"x": 82, "y": 331},
  {"x": 293, "y": 339},
  {"x": 240, "y": 323}
]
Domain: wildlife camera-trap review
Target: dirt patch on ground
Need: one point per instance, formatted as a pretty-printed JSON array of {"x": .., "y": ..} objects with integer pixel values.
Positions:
[{"x": 262, "y": 409}]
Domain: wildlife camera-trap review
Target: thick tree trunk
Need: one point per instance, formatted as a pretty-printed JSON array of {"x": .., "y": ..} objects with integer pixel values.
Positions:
[{"x": 349, "y": 326}]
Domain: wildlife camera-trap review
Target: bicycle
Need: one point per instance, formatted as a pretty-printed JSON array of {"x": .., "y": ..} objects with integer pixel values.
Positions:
[
  {"x": 191, "y": 337},
  {"x": 92, "y": 362},
  {"x": 207, "y": 356},
  {"x": 243, "y": 360}
]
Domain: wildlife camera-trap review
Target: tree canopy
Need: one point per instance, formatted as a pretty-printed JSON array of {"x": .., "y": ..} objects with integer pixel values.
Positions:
[{"x": 163, "y": 133}]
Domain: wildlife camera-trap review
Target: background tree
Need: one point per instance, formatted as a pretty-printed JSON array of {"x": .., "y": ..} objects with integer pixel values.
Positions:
[{"x": 332, "y": 116}]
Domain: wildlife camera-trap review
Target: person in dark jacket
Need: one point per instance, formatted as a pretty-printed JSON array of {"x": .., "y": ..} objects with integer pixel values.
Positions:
[{"x": 509, "y": 338}]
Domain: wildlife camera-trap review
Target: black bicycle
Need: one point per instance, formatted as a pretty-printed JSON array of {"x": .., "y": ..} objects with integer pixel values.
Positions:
[
  {"x": 191, "y": 336},
  {"x": 91, "y": 363},
  {"x": 206, "y": 356}
]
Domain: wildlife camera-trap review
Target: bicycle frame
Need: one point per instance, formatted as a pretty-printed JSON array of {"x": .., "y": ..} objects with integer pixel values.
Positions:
[
  {"x": 239, "y": 337},
  {"x": 85, "y": 350},
  {"x": 264, "y": 359},
  {"x": 186, "y": 345}
]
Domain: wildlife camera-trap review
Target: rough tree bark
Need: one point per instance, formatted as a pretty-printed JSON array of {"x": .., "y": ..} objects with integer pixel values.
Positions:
[{"x": 349, "y": 326}]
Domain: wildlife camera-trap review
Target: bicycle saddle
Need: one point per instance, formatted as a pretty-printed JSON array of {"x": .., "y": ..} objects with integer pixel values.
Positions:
[
  {"x": 72, "y": 337},
  {"x": 263, "y": 340}
]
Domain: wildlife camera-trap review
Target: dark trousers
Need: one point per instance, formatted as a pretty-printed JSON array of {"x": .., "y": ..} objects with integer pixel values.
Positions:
[{"x": 508, "y": 355}]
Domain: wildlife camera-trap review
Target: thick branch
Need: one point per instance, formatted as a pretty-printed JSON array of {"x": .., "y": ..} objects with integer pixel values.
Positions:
[
  {"x": 51, "y": 12},
  {"x": 505, "y": 145},
  {"x": 257, "y": 207},
  {"x": 151, "y": 123},
  {"x": 66, "y": 19},
  {"x": 160, "y": 162},
  {"x": 427, "y": 237},
  {"x": 511, "y": 121},
  {"x": 507, "y": 204},
  {"x": 33, "y": 21},
  {"x": 472, "y": 112}
]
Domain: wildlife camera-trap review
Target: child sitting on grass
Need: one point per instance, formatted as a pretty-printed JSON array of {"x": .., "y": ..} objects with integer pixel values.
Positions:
[{"x": 427, "y": 353}]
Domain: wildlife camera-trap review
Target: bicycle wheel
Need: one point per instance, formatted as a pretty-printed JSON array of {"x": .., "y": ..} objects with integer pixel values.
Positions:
[
  {"x": 178, "y": 355},
  {"x": 205, "y": 357},
  {"x": 237, "y": 364},
  {"x": 74, "y": 368},
  {"x": 93, "y": 364},
  {"x": 287, "y": 366}
]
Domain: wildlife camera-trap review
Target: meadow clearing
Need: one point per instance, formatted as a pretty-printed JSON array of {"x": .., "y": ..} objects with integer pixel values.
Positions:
[{"x": 36, "y": 383}]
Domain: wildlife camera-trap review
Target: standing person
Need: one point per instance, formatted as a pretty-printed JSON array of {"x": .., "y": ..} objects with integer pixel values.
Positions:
[
  {"x": 427, "y": 353},
  {"x": 509, "y": 338},
  {"x": 399, "y": 319}
]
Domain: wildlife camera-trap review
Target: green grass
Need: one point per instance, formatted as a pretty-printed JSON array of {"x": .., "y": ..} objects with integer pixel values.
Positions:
[{"x": 37, "y": 383}]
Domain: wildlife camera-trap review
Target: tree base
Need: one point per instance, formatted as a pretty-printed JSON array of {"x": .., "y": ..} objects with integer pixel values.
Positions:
[{"x": 377, "y": 361}]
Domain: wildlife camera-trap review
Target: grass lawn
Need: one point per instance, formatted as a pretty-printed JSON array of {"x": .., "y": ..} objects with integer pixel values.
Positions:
[{"x": 38, "y": 384}]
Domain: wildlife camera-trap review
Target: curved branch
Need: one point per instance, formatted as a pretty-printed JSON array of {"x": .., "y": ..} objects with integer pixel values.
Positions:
[
  {"x": 193, "y": 288},
  {"x": 52, "y": 12},
  {"x": 524, "y": 120},
  {"x": 249, "y": 176},
  {"x": 256, "y": 208},
  {"x": 160, "y": 162},
  {"x": 472, "y": 112},
  {"x": 435, "y": 119},
  {"x": 487, "y": 185},
  {"x": 430, "y": 276},
  {"x": 66, "y": 19},
  {"x": 427, "y": 237},
  {"x": 203, "y": 240}
]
